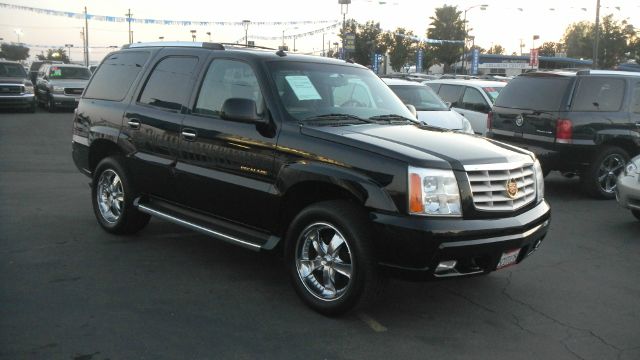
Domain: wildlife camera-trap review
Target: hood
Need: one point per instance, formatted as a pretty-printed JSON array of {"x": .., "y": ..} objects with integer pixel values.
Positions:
[
  {"x": 446, "y": 119},
  {"x": 13, "y": 80},
  {"x": 71, "y": 83},
  {"x": 421, "y": 146}
]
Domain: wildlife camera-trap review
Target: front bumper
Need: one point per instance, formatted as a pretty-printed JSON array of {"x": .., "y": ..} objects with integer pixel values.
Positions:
[
  {"x": 64, "y": 100},
  {"x": 421, "y": 244},
  {"x": 18, "y": 100},
  {"x": 628, "y": 191}
]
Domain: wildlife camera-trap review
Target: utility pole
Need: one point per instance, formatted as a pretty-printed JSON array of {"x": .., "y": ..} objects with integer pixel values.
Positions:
[
  {"x": 128, "y": 15},
  {"x": 597, "y": 36},
  {"x": 344, "y": 9},
  {"x": 86, "y": 36},
  {"x": 245, "y": 24}
]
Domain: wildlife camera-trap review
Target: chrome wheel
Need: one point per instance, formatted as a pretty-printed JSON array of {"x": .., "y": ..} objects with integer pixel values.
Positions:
[
  {"x": 110, "y": 196},
  {"x": 608, "y": 172},
  {"x": 323, "y": 261}
]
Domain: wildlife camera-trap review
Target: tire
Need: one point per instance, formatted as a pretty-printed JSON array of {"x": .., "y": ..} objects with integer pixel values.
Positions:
[
  {"x": 599, "y": 180},
  {"x": 112, "y": 195},
  {"x": 636, "y": 213},
  {"x": 344, "y": 274}
]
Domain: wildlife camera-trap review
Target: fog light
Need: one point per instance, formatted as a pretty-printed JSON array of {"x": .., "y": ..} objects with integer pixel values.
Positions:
[{"x": 446, "y": 266}]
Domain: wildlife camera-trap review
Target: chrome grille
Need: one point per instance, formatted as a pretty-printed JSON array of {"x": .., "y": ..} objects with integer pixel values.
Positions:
[
  {"x": 10, "y": 89},
  {"x": 489, "y": 186}
]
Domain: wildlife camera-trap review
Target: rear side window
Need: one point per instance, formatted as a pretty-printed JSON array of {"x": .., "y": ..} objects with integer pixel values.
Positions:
[
  {"x": 113, "y": 79},
  {"x": 450, "y": 93},
  {"x": 535, "y": 93},
  {"x": 473, "y": 100},
  {"x": 169, "y": 83},
  {"x": 599, "y": 94}
]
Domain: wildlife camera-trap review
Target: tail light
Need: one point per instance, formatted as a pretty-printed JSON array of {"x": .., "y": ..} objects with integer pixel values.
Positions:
[
  {"x": 489, "y": 120},
  {"x": 564, "y": 131}
]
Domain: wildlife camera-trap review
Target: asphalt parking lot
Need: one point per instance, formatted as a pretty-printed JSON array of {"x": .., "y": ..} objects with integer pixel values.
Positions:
[{"x": 69, "y": 290}]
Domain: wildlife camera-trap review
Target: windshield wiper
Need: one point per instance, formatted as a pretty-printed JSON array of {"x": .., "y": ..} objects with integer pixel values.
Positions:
[
  {"x": 391, "y": 117},
  {"x": 338, "y": 118}
]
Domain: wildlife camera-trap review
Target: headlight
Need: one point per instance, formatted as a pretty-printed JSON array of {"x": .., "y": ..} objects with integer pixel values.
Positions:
[
  {"x": 433, "y": 192},
  {"x": 57, "y": 89},
  {"x": 466, "y": 126},
  {"x": 539, "y": 181},
  {"x": 28, "y": 89}
]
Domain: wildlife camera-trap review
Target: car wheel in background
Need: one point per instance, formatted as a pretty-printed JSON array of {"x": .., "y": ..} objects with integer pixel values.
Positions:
[
  {"x": 112, "y": 194},
  {"x": 600, "y": 178},
  {"x": 330, "y": 258}
]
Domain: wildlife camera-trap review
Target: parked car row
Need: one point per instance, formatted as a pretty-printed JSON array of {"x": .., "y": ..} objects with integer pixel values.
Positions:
[{"x": 16, "y": 90}]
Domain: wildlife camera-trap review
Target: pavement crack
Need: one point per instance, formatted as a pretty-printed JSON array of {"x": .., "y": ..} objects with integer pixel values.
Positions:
[
  {"x": 551, "y": 318},
  {"x": 471, "y": 301}
]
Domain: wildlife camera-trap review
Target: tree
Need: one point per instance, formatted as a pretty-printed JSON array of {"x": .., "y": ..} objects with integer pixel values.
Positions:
[
  {"x": 401, "y": 48},
  {"x": 578, "y": 39},
  {"x": 496, "y": 49},
  {"x": 14, "y": 52},
  {"x": 549, "y": 48},
  {"x": 446, "y": 25},
  {"x": 368, "y": 39},
  {"x": 54, "y": 54}
]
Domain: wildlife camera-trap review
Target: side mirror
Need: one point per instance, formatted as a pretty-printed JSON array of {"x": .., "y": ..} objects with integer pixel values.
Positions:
[
  {"x": 413, "y": 110},
  {"x": 241, "y": 110}
]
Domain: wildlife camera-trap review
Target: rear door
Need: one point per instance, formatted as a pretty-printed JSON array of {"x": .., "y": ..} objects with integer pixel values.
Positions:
[
  {"x": 152, "y": 121},
  {"x": 528, "y": 108}
]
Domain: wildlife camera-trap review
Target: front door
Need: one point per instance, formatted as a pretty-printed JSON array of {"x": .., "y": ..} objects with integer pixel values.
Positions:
[{"x": 225, "y": 168}]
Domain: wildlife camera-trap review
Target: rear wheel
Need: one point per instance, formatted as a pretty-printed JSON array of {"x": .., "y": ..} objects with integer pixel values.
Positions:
[
  {"x": 113, "y": 194},
  {"x": 600, "y": 178},
  {"x": 636, "y": 213},
  {"x": 330, "y": 257}
]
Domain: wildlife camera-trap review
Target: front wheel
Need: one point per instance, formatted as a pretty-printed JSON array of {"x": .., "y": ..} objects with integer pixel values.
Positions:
[
  {"x": 330, "y": 257},
  {"x": 113, "y": 193},
  {"x": 600, "y": 178}
]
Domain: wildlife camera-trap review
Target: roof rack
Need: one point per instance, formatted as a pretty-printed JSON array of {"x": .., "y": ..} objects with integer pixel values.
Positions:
[
  {"x": 248, "y": 46},
  {"x": 206, "y": 45}
]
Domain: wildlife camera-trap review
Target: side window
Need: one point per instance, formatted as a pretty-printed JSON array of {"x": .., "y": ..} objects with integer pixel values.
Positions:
[
  {"x": 169, "y": 83},
  {"x": 434, "y": 87},
  {"x": 635, "y": 101},
  {"x": 473, "y": 100},
  {"x": 227, "y": 79},
  {"x": 450, "y": 93},
  {"x": 599, "y": 94},
  {"x": 114, "y": 77}
]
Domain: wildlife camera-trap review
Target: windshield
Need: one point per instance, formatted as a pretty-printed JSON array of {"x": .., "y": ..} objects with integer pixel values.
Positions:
[
  {"x": 420, "y": 96},
  {"x": 313, "y": 90},
  {"x": 493, "y": 92},
  {"x": 60, "y": 72},
  {"x": 543, "y": 93},
  {"x": 12, "y": 70}
]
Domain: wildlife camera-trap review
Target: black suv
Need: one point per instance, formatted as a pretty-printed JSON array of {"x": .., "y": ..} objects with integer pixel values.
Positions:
[
  {"x": 273, "y": 151},
  {"x": 585, "y": 123}
]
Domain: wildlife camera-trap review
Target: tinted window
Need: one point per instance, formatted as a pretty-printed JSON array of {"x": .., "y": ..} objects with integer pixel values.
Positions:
[
  {"x": 492, "y": 92},
  {"x": 114, "y": 77},
  {"x": 473, "y": 100},
  {"x": 422, "y": 97},
  {"x": 227, "y": 79},
  {"x": 535, "y": 93},
  {"x": 450, "y": 93},
  {"x": 63, "y": 72},
  {"x": 169, "y": 83},
  {"x": 12, "y": 70},
  {"x": 599, "y": 94},
  {"x": 434, "y": 87},
  {"x": 635, "y": 105}
]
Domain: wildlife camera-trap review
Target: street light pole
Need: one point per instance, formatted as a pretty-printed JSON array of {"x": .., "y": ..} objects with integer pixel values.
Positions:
[
  {"x": 128, "y": 15},
  {"x": 68, "y": 46},
  {"x": 344, "y": 9},
  {"x": 464, "y": 40},
  {"x": 193, "y": 35},
  {"x": 245, "y": 24},
  {"x": 597, "y": 36}
]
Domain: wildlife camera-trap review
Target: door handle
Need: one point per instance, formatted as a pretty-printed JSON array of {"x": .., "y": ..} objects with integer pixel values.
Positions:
[
  {"x": 189, "y": 135},
  {"x": 134, "y": 124}
]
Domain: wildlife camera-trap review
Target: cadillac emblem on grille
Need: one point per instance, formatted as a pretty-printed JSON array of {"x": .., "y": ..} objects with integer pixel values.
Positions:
[
  {"x": 512, "y": 188},
  {"x": 519, "y": 120}
]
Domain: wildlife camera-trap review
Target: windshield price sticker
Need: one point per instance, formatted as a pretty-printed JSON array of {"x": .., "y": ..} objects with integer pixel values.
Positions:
[
  {"x": 303, "y": 88},
  {"x": 56, "y": 71}
]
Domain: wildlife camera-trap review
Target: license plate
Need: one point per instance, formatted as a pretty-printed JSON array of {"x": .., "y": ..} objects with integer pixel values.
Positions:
[{"x": 508, "y": 258}]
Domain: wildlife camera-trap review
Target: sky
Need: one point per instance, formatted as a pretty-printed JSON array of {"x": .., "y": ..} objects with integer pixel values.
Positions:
[{"x": 504, "y": 22}]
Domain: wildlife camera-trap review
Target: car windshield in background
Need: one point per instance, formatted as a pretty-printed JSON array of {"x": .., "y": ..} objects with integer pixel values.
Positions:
[
  {"x": 12, "y": 70},
  {"x": 310, "y": 90},
  {"x": 493, "y": 92},
  {"x": 422, "y": 97},
  {"x": 61, "y": 72},
  {"x": 538, "y": 93}
]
